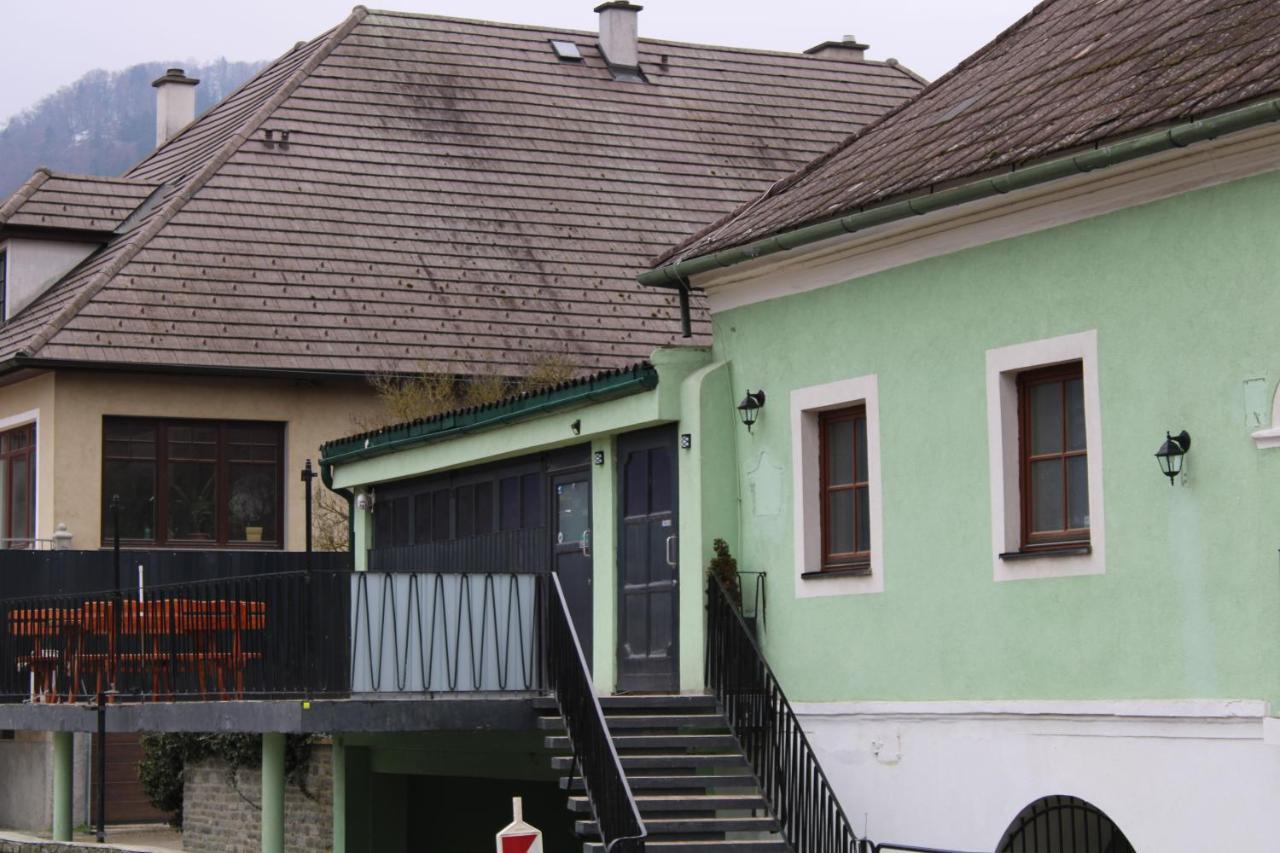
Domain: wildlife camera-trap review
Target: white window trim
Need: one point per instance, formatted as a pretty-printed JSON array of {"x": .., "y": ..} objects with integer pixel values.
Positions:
[
  {"x": 21, "y": 419},
  {"x": 806, "y": 405},
  {"x": 1003, "y": 366}
]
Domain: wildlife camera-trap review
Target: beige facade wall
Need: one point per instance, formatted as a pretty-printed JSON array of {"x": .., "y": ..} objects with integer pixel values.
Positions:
[{"x": 69, "y": 446}]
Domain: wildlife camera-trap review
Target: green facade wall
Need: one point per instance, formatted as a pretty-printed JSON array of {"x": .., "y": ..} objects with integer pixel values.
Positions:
[{"x": 1184, "y": 294}]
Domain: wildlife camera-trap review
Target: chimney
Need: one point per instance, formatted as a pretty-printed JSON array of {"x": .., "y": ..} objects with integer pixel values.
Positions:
[
  {"x": 175, "y": 104},
  {"x": 847, "y": 48},
  {"x": 619, "y": 34}
]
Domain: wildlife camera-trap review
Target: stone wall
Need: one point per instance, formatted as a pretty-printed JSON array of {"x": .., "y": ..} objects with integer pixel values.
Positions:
[
  {"x": 26, "y": 780},
  {"x": 223, "y": 814},
  {"x": 12, "y": 842}
]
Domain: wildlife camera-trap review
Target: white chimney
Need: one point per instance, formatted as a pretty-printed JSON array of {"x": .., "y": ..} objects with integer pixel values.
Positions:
[
  {"x": 619, "y": 33},
  {"x": 847, "y": 48},
  {"x": 175, "y": 104}
]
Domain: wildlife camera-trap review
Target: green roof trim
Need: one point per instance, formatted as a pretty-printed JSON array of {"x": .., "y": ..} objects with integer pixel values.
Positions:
[{"x": 606, "y": 385}]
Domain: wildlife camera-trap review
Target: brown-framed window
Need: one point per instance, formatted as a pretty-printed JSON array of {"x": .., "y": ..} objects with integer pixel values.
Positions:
[
  {"x": 18, "y": 487},
  {"x": 1053, "y": 457},
  {"x": 4, "y": 285},
  {"x": 194, "y": 482},
  {"x": 846, "y": 513}
]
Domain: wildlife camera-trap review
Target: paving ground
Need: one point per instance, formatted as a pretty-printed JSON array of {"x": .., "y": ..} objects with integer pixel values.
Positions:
[{"x": 145, "y": 837}]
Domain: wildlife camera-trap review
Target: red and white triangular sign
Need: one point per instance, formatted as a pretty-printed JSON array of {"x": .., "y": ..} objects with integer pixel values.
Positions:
[{"x": 519, "y": 837}]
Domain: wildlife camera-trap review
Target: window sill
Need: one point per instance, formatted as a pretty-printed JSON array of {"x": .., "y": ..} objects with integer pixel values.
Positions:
[
  {"x": 1036, "y": 553},
  {"x": 850, "y": 572}
]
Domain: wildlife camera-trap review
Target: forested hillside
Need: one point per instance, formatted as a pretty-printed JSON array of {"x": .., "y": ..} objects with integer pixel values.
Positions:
[{"x": 104, "y": 122}]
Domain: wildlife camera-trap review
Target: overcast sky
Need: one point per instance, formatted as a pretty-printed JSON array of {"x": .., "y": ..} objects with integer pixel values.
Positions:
[{"x": 69, "y": 37}]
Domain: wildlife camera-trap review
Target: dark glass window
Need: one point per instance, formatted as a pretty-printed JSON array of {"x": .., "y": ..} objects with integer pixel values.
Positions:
[
  {"x": 531, "y": 501},
  {"x": 846, "y": 510},
  {"x": 509, "y": 503},
  {"x": 1053, "y": 456},
  {"x": 422, "y": 518},
  {"x": 18, "y": 486},
  {"x": 440, "y": 516},
  {"x": 193, "y": 482}
]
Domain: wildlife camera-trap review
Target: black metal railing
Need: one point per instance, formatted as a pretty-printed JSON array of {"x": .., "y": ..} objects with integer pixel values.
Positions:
[
  {"x": 810, "y": 816},
  {"x": 612, "y": 803}
]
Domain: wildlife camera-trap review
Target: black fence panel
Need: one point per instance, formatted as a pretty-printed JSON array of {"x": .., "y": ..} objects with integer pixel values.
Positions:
[{"x": 516, "y": 551}]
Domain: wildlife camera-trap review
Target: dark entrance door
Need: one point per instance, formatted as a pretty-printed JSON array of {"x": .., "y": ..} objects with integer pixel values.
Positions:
[
  {"x": 571, "y": 548},
  {"x": 648, "y": 570}
]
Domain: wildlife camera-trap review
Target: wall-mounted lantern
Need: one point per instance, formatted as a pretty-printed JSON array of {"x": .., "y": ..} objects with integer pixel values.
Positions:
[
  {"x": 686, "y": 440},
  {"x": 749, "y": 408},
  {"x": 1171, "y": 452},
  {"x": 576, "y": 426}
]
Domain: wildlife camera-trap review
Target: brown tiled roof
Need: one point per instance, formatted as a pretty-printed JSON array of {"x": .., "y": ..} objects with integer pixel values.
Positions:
[
  {"x": 451, "y": 195},
  {"x": 74, "y": 202},
  {"x": 1071, "y": 74}
]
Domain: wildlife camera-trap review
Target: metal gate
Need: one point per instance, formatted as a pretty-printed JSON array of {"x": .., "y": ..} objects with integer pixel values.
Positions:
[{"x": 1062, "y": 824}]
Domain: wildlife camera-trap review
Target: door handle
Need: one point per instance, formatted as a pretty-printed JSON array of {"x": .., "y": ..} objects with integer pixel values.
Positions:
[
  {"x": 585, "y": 544},
  {"x": 671, "y": 556}
]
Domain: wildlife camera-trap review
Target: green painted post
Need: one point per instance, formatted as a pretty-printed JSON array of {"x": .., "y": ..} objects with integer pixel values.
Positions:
[
  {"x": 272, "y": 792},
  {"x": 62, "y": 774},
  {"x": 339, "y": 795}
]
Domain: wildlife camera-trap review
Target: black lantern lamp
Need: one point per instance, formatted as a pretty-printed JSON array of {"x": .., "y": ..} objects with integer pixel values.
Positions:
[
  {"x": 749, "y": 408},
  {"x": 1171, "y": 452}
]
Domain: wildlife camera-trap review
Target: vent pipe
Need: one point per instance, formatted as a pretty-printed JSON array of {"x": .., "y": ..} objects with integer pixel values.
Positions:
[
  {"x": 175, "y": 104},
  {"x": 620, "y": 34}
]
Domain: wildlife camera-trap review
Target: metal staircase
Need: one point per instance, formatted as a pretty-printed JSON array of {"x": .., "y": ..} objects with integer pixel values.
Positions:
[{"x": 690, "y": 779}]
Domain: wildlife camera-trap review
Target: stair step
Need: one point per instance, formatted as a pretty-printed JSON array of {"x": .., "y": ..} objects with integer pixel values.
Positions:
[
  {"x": 673, "y": 702},
  {"x": 561, "y": 743},
  {"x": 667, "y": 761},
  {"x": 684, "y": 782},
  {"x": 682, "y": 803},
  {"x": 551, "y": 724},
  {"x": 754, "y": 845},
  {"x": 665, "y": 721},
  {"x": 691, "y": 825}
]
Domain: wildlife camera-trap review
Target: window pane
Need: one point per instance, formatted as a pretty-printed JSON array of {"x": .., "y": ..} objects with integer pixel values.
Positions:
[
  {"x": 661, "y": 480},
  {"x": 20, "y": 518},
  {"x": 252, "y": 502},
  {"x": 440, "y": 516},
  {"x": 484, "y": 508},
  {"x": 636, "y": 478},
  {"x": 1045, "y": 400},
  {"x": 863, "y": 541},
  {"x": 193, "y": 442},
  {"x": 1046, "y": 495},
  {"x": 573, "y": 511},
  {"x": 839, "y": 452},
  {"x": 1075, "y": 415},
  {"x": 840, "y": 522},
  {"x": 509, "y": 503},
  {"x": 130, "y": 440},
  {"x": 192, "y": 498},
  {"x": 135, "y": 483},
  {"x": 253, "y": 443},
  {"x": 422, "y": 518},
  {"x": 1077, "y": 492},
  {"x": 860, "y": 450}
]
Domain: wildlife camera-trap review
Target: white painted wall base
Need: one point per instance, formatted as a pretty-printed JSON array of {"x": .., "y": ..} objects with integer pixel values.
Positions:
[{"x": 1173, "y": 775}]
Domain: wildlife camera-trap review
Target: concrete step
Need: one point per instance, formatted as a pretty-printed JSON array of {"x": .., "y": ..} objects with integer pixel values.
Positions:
[{"x": 682, "y": 803}]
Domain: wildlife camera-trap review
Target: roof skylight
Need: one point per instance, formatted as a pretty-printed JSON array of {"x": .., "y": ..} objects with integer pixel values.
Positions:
[{"x": 567, "y": 51}]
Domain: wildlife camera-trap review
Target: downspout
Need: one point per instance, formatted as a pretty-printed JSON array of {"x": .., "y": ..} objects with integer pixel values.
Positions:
[
  {"x": 678, "y": 274},
  {"x": 326, "y": 477}
]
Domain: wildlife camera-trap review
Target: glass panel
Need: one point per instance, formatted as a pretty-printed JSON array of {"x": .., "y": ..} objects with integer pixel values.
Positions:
[
  {"x": 465, "y": 503},
  {"x": 252, "y": 502},
  {"x": 484, "y": 508},
  {"x": 840, "y": 522},
  {"x": 509, "y": 503},
  {"x": 20, "y": 509},
  {"x": 863, "y": 541},
  {"x": 1045, "y": 401},
  {"x": 661, "y": 480},
  {"x": 1046, "y": 495},
  {"x": 253, "y": 443},
  {"x": 422, "y": 518},
  {"x": 135, "y": 482},
  {"x": 193, "y": 442},
  {"x": 1077, "y": 492},
  {"x": 1075, "y": 415},
  {"x": 860, "y": 450},
  {"x": 531, "y": 501},
  {"x": 192, "y": 497},
  {"x": 636, "y": 477},
  {"x": 839, "y": 453},
  {"x": 573, "y": 511},
  {"x": 4, "y": 497},
  {"x": 130, "y": 440},
  {"x": 440, "y": 516}
]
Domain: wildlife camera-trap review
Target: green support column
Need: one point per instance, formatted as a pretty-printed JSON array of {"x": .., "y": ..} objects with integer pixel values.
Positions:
[
  {"x": 339, "y": 795},
  {"x": 63, "y": 770},
  {"x": 273, "y": 792}
]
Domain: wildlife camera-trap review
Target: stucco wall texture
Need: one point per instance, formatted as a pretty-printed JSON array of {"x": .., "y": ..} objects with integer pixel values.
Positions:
[
  {"x": 1183, "y": 295},
  {"x": 71, "y": 406},
  {"x": 222, "y": 812}
]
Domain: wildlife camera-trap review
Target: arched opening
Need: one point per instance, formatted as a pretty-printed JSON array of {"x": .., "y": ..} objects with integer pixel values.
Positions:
[{"x": 1061, "y": 824}]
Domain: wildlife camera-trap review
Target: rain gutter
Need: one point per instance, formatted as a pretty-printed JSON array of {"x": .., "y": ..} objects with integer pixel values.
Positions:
[{"x": 677, "y": 275}]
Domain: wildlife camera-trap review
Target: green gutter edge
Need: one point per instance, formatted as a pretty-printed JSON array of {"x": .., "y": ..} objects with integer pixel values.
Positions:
[
  {"x": 621, "y": 383},
  {"x": 678, "y": 274}
]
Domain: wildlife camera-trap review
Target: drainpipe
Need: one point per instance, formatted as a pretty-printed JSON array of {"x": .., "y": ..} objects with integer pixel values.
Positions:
[
  {"x": 677, "y": 274},
  {"x": 326, "y": 477}
]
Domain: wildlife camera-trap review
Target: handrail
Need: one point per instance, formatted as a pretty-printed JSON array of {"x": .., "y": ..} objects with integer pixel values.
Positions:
[
  {"x": 612, "y": 803},
  {"x": 808, "y": 812}
]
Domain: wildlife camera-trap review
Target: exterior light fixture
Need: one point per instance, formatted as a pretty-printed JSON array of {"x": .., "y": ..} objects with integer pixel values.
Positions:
[
  {"x": 598, "y": 457},
  {"x": 749, "y": 408},
  {"x": 1171, "y": 452},
  {"x": 576, "y": 426},
  {"x": 686, "y": 440}
]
